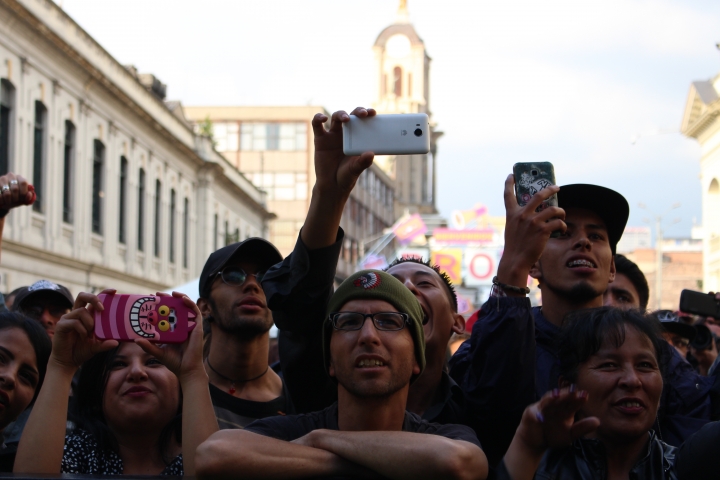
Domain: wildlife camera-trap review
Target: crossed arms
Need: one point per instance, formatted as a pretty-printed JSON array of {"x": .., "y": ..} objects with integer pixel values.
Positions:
[{"x": 397, "y": 455}]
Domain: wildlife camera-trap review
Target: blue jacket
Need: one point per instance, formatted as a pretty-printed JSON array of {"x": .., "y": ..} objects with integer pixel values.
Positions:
[{"x": 687, "y": 399}]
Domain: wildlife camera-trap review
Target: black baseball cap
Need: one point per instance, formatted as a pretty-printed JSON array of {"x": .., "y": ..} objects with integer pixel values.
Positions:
[
  {"x": 26, "y": 295},
  {"x": 608, "y": 204},
  {"x": 255, "y": 248},
  {"x": 671, "y": 322}
]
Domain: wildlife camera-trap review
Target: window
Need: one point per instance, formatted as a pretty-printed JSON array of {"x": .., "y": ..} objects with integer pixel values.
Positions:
[
  {"x": 97, "y": 192},
  {"x": 397, "y": 81},
  {"x": 123, "y": 199},
  {"x": 227, "y": 233},
  {"x": 286, "y": 136},
  {"x": 282, "y": 185},
  {"x": 172, "y": 225},
  {"x": 215, "y": 233},
  {"x": 226, "y": 137},
  {"x": 7, "y": 101},
  {"x": 158, "y": 193},
  {"x": 68, "y": 160},
  {"x": 186, "y": 226},
  {"x": 38, "y": 155},
  {"x": 141, "y": 210}
]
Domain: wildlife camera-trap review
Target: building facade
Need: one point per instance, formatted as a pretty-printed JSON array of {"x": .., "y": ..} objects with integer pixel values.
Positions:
[
  {"x": 701, "y": 121},
  {"x": 128, "y": 196},
  {"x": 273, "y": 147},
  {"x": 402, "y": 66}
]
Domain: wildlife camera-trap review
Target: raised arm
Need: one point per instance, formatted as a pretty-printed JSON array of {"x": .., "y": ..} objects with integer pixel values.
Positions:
[
  {"x": 41, "y": 445},
  {"x": 496, "y": 367},
  {"x": 299, "y": 288},
  {"x": 186, "y": 362},
  {"x": 14, "y": 192},
  {"x": 404, "y": 455},
  {"x": 243, "y": 454},
  {"x": 549, "y": 423}
]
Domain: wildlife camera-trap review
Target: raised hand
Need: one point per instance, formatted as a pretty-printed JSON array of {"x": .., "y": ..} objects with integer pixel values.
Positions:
[
  {"x": 74, "y": 341},
  {"x": 526, "y": 233},
  {"x": 551, "y": 423},
  {"x": 185, "y": 359},
  {"x": 15, "y": 191},
  {"x": 336, "y": 172}
]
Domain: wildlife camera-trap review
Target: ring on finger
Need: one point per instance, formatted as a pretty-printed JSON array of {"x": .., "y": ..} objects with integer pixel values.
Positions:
[
  {"x": 13, "y": 182},
  {"x": 5, "y": 188}
]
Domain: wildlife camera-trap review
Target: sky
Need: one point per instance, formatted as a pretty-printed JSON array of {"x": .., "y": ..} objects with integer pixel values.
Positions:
[{"x": 569, "y": 82}]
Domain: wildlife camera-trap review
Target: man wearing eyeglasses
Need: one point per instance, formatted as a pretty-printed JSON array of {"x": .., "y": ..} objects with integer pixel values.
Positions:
[
  {"x": 373, "y": 348},
  {"x": 243, "y": 387}
]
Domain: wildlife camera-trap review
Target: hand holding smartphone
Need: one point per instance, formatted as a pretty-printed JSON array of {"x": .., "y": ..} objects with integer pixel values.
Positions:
[
  {"x": 532, "y": 177},
  {"x": 699, "y": 303},
  {"x": 395, "y": 134},
  {"x": 159, "y": 319}
]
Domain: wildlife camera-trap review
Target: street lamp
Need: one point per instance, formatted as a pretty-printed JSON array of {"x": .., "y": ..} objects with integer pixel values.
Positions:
[{"x": 658, "y": 248}]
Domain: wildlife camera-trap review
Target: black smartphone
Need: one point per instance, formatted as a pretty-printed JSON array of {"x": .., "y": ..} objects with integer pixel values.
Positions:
[{"x": 699, "y": 303}]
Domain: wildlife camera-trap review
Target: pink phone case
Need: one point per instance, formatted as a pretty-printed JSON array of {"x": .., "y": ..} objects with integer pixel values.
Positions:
[{"x": 158, "y": 319}]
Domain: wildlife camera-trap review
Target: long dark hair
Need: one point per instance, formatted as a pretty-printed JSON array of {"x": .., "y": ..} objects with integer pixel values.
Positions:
[
  {"x": 87, "y": 413},
  {"x": 38, "y": 338},
  {"x": 584, "y": 332}
]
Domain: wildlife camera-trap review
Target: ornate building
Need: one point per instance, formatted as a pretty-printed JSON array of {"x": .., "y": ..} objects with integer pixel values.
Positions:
[
  {"x": 403, "y": 86},
  {"x": 701, "y": 121},
  {"x": 128, "y": 196}
]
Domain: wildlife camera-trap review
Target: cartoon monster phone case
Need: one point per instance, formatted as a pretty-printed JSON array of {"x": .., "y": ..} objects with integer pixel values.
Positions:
[
  {"x": 158, "y": 319},
  {"x": 532, "y": 177}
]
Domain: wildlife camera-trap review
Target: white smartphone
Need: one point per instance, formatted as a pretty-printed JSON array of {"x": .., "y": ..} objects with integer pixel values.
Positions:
[{"x": 393, "y": 134}]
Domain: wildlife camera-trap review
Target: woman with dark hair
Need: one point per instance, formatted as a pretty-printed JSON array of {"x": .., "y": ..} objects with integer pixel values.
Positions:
[
  {"x": 24, "y": 352},
  {"x": 598, "y": 425},
  {"x": 141, "y": 408}
]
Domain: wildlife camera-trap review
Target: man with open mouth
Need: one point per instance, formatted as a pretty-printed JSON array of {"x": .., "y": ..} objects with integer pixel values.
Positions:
[
  {"x": 373, "y": 348},
  {"x": 573, "y": 267}
]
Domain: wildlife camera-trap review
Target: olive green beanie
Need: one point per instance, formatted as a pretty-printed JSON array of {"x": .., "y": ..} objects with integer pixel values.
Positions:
[{"x": 377, "y": 285}]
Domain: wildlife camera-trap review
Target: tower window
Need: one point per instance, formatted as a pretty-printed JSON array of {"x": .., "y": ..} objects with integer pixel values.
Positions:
[
  {"x": 97, "y": 191},
  {"x": 7, "y": 101},
  {"x": 123, "y": 198},
  {"x": 158, "y": 193},
  {"x": 172, "y": 225},
  {"x": 141, "y": 210},
  {"x": 397, "y": 81},
  {"x": 68, "y": 158},
  {"x": 39, "y": 154}
]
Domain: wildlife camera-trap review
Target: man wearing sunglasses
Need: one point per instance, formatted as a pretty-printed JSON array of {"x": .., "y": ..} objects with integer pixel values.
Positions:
[
  {"x": 45, "y": 302},
  {"x": 237, "y": 322},
  {"x": 373, "y": 348}
]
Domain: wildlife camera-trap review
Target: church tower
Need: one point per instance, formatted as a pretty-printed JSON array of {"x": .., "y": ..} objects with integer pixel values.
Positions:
[{"x": 403, "y": 86}]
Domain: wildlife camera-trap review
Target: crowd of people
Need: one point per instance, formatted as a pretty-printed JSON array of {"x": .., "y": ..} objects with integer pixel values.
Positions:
[{"x": 589, "y": 385}]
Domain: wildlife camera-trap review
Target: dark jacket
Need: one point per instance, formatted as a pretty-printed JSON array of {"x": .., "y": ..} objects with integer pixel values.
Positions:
[
  {"x": 586, "y": 460},
  {"x": 298, "y": 290},
  {"x": 685, "y": 405}
]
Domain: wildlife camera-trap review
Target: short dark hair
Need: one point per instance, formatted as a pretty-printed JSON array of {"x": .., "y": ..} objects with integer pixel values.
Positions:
[
  {"x": 630, "y": 269},
  {"x": 37, "y": 336},
  {"x": 584, "y": 332},
  {"x": 87, "y": 412},
  {"x": 443, "y": 276}
]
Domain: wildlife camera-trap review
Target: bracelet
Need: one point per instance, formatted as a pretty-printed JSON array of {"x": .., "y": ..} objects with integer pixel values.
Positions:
[{"x": 510, "y": 288}]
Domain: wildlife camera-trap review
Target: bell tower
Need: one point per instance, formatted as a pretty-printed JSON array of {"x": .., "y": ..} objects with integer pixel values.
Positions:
[{"x": 403, "y": 86}]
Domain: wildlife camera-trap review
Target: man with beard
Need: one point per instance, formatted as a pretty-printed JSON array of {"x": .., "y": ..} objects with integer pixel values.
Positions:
[
  {"x": 573, "y": 269},
  {"x": 243, "y": 387},
  {"x": 373, "y": 347},
  {"x": 300, "y": 287}
]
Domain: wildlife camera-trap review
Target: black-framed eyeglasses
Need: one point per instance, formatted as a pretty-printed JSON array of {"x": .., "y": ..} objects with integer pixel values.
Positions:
[
  {"x": 385, "y": 321},
  {"x": 236, "y": 276},
  {"x": 36, "y": 311}
]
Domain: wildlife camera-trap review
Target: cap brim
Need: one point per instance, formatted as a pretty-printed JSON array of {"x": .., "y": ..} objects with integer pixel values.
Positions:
[
  {"x": 257, "y": 249},
  {"x": 682, "y": 329},
  {"x": 30, "y": 295},
  {"x": 608, "y": 204}
]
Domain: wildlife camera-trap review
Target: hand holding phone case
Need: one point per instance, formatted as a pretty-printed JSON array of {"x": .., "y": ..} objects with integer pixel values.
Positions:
[{"x": 158, "y": 319}]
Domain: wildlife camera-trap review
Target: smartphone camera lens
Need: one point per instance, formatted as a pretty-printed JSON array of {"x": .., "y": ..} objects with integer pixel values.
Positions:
[
  {"x": 418, "y": 132},
  {"x": 534, "y": 173}
]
